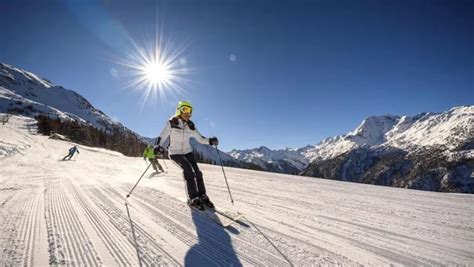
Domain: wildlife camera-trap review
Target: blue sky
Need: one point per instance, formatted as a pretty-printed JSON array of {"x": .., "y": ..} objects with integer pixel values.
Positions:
[{"x": 274, "y": 73}]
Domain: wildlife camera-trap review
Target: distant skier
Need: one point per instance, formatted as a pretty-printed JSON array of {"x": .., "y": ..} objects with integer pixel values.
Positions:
[
  {"x": 72, "y": 150},
  {"x": 180, "y": 129},
  {"x": 150, "y": 155}
]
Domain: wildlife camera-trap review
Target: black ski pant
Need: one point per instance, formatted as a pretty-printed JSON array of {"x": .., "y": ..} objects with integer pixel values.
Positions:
[
  {"x": 192, "y": 174},
  {"x": 69, "y": 156},
  {"x": 156, "y": 165}
]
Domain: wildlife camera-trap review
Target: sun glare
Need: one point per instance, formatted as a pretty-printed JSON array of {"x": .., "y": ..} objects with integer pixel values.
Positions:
[
  {"x": 156, "y": 69},
  {"x": 157, "y": 73}
]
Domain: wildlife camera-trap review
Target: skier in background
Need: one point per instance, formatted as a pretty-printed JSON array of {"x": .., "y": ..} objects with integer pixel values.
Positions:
[
  {"x": 180, "y": 129},
  {"x": 72, "y": 150},
  {"x": 150, "y": 155}
]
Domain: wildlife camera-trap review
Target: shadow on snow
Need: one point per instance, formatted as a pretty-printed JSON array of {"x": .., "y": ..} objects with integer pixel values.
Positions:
[{"x": 214, "y": 247}]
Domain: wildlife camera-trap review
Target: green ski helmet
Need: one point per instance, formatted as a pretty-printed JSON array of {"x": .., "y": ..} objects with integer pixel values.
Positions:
[{"x": 184, "y": 107}]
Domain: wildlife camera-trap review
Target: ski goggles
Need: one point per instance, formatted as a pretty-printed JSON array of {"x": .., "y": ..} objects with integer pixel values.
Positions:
[{"x": 186, "y": 109}]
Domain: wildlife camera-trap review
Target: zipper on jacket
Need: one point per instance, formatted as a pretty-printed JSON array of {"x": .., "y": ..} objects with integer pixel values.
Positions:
[{"x": 182, "y": 139}]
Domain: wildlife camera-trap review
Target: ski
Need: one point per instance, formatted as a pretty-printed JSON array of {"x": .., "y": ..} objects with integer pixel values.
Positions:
[
  {"x": 224, "y": 219},
  {"x": 155, "y": 174},
  {"x": 234, "y": 216},
  {"x": 227, "y": 217}
]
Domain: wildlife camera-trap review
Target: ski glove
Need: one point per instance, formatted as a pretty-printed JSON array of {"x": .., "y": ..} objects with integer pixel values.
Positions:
[
  {"x": 213, "y": 141},
  {"x": 158, "y": 150}
]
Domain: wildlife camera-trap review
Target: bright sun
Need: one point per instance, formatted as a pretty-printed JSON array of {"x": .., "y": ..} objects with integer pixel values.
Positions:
[
  {"x": 157, "y": 73},
  {"x": 156, "y": 70}
]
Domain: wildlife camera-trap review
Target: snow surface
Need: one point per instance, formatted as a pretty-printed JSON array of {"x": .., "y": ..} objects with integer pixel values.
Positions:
[{"x": 73, "y": 213}]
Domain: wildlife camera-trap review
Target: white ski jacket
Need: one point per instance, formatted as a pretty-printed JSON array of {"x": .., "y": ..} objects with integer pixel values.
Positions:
[{"x": 179, "y": 133}]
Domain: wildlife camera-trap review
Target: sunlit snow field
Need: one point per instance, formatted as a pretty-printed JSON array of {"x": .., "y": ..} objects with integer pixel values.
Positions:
[{"x": 73, "y": 213}]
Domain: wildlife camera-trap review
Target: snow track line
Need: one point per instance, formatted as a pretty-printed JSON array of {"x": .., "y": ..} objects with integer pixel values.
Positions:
[
  {"x": 79, "y": 231},
  {"x": 121, "y": 222},
  {"x": 296, "y": 196},
  {"x": 432, "y": 219},
  {"x": 185, "y": 236},
  {"x": 384, "y": 234},
  {"x": 107, "y": 232},
  {"x": 73, "y": 244},
  {"x": 13, "y": 250},
  {"x": 60, "y": 235},
  {"x": 309, "y": 214},
  {"x": 288, "y": 241},
  {"x": 271, "y": 243},
  {"x": 390, "y": 254},
  {"x": 67, "y": 232},
  {"x": 22, "y": 230},
  {"x": 54, "y": 254},
  {"x": 188, "y": 235},
  {"x": 29, "y": 231},
  {"x": 384, "y": 253},
  {"x": 374, "y": 193},
  {"x": 248, "y": 251}
]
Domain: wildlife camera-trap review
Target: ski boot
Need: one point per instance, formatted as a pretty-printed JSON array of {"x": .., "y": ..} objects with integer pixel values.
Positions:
[
  {"x": 206, "y": 201},
  {"x": 195, "y": 203}
]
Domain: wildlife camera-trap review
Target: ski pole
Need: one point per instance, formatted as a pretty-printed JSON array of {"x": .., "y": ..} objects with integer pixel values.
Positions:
[
  {"x": 225, "y": 177},
  {"x": 138, "y": 180}
]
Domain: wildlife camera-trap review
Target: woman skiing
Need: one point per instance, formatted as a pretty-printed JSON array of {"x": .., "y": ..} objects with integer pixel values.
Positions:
[{"x": 180, "y": 129}]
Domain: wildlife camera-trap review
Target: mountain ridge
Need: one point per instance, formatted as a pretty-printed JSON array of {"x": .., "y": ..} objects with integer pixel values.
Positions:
[
  {"x": 429, "y": 151},
  {"x": 372, "y": 131},
  {"x": 24, "y": 92}
]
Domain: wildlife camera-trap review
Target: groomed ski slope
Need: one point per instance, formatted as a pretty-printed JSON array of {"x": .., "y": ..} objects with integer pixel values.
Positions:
[{"x": 73, "y": 213}]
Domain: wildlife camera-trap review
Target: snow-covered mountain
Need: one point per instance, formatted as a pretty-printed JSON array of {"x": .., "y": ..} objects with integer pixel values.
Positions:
[
  {"x": 429, "y": 151},
  {"x": 370, "y": 132},
  {"x": 450, "y": 128},
  {"x": 283, "y": 160},
  {"x": 386, "y": 147},
  {"x": 25, "y": 93}
]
